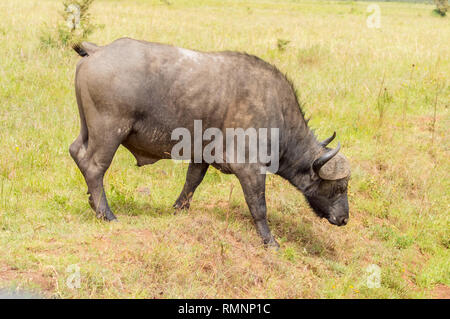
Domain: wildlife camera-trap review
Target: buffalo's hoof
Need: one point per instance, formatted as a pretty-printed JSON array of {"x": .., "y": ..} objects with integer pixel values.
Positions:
[
  {"x": 272, "y": 245},
  {"x": 177, "y": 210},
  {"x": 181, "y": 206},
  {"x": 109, "y": 217}
]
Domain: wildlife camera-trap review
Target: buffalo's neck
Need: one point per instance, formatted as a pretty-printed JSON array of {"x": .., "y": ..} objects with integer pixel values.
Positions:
[{"x": 301, "y": 148}]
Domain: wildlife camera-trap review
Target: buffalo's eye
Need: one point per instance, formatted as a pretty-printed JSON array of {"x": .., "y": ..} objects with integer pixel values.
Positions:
[{"x": 341, "y": 187}]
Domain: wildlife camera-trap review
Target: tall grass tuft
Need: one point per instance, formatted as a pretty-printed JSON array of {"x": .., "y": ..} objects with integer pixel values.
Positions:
[
  {"x": 405, "y": 104},
  {"x": 282, "y": 44},
  {"x": 384, "y": 98}
]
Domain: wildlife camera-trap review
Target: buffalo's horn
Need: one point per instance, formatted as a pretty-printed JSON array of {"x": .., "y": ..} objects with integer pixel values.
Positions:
[
  {"x": 328, "y": 140},
  {"x": 321, "y": 161}
]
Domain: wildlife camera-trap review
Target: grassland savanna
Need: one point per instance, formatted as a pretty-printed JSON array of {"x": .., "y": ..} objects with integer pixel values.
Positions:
[{"x": 384, "y": 90}]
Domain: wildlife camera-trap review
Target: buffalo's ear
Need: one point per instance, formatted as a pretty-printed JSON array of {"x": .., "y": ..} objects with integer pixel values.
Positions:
[{"x": 336, "y": 168}]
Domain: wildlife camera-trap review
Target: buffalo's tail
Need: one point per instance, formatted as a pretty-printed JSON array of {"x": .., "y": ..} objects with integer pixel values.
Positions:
[{"x": 85, "y": 48}]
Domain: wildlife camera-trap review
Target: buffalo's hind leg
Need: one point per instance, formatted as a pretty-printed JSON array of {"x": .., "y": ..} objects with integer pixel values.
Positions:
[
  {"x": 78, "y": 149},
  {"x": 93, "y": 161},
  {"x": 194, "y": 176}
]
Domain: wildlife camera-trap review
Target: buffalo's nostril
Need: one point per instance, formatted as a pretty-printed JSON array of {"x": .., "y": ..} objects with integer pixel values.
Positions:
[{"x": 344, "y": 221}]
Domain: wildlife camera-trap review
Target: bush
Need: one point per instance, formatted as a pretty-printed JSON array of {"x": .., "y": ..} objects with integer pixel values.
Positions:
[
  {"x": 282, "y": 44},
  {"x": 441, "y": 7},
  {"x": 76, "y": 25}
]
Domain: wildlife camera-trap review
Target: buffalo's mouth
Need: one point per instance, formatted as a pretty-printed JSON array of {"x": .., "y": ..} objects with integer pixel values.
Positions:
[
  {"x": 338, "y": 221},
  {"x": 333, "y": 214}
]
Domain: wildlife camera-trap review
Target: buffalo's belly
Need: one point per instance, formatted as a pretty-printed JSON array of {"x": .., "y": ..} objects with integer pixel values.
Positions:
[{"x": 149, "y": 146}]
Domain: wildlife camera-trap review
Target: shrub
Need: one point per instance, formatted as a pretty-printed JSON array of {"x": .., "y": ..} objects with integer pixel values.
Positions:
[
  {"x": 75, "y": 25},
  {"x": 441, "y": 7},
  {"x": 282, "y": 44}
]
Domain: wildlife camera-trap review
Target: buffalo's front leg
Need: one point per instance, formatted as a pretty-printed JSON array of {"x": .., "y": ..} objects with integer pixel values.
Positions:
[
  {"x": 194, "y": 176},
  {"x": 254, "y": 186}
]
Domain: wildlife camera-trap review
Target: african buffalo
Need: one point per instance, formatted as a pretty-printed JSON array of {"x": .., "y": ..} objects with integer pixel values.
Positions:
[{"x": 136, "y": 93}]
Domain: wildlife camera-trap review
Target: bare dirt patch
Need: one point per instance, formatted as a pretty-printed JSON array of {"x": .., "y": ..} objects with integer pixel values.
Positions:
[
  {"x": 441, "y": 292},
  {"x": 43, "y": 280}
]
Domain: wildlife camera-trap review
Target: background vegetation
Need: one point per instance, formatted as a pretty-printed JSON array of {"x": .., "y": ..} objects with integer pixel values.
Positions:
[{"x": 385, "y": 91}]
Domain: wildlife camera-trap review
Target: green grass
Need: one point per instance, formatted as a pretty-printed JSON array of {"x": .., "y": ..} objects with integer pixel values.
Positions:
[{"x": 357, "y": 81}]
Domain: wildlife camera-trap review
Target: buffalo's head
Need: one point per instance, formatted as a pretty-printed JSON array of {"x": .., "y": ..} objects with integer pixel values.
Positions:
[{"x": 327, "y": 195}]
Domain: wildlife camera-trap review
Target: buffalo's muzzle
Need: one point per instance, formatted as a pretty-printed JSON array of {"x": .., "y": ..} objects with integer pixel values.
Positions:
[{"x": 338, "y": 221}]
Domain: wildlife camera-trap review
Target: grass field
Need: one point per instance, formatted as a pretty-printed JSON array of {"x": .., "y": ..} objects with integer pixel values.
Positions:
[{"x": 385, "y": 91}]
